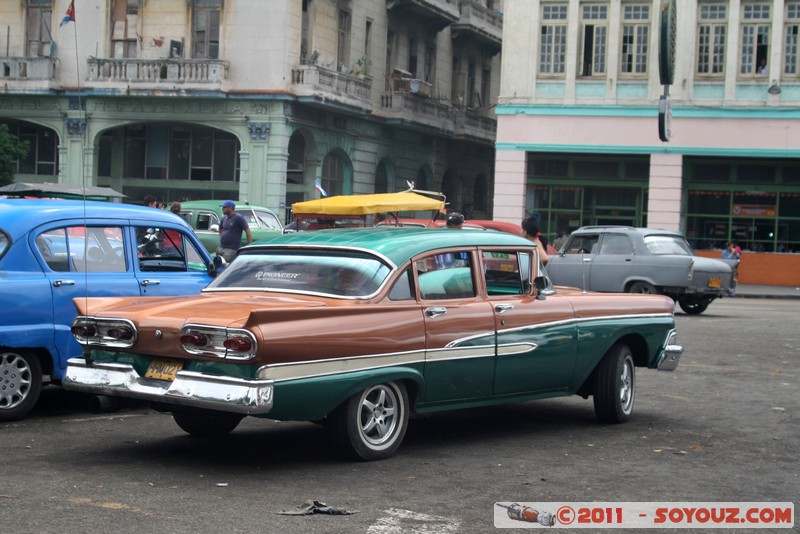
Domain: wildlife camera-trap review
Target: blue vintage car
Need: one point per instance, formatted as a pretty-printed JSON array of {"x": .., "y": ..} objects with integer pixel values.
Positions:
[{"x": 53, "y": 251}]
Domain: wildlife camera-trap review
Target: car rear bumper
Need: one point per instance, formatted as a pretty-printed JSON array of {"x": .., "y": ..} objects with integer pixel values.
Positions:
[
  {"x": 199, "y": 390},
  {"x": 671, "y": 355}
]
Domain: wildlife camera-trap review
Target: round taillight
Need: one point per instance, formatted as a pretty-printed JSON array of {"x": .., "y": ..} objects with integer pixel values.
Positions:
[
  {"x": 84, "y": 330},
  {"x": 195, "y": 339},
  {"x": 123, "y": 332},
  {"x": 239, "y": 344}
]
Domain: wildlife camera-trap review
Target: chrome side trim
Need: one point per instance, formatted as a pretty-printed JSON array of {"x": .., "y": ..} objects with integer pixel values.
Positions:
[{"x": 221, "y": 393}]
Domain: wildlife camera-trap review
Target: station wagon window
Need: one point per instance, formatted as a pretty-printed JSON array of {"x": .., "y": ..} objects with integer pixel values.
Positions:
[
  {"x": 82, "y": 249},
  {"x": 583, "y": 244},
  {"x": 506, "y": 273},
  {"x": 446, "y": 276},
  {"x": 616, "y": 244}
]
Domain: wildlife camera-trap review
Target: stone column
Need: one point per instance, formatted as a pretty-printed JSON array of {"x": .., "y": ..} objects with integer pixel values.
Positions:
[
  {"x": 666, "y": 191},
  {"x": 509, "y": 185}
]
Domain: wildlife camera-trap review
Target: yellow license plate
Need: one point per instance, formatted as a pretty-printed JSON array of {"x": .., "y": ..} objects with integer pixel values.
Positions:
[
  {"x": 163, "y": 370},
  {"x": 714, "y": 282}
]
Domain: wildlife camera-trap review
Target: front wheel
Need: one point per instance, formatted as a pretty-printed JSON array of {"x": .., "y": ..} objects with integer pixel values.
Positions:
[
  {"x": 207, "y": 423},
  {"x": 694, "y": 306},
  {"x": 615, "y": 385},
  {"x": 371, "y": 425},
  {"x": 20, "y": 384}
]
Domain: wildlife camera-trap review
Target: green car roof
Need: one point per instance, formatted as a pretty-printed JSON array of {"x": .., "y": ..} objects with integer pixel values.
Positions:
[
  {"x": 214, "y": 205},
  {"x": 397, "y": 244}
]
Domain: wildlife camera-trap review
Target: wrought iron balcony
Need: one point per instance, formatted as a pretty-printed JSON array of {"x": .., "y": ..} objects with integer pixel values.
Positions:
[
  {"x": 476, "y": 21},
  {"x": 326, "y": 84},
  {"x": 27, "y": 73},
  {"x": 438, "y": 13},
  {"x": 204, "y": 74}
]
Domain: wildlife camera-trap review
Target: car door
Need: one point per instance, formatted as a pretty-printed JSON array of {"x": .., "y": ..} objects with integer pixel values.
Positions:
[
  {"x": 459, "y": 328},
  {"x": 535, "y": 338},
  {"x": 613, "y": 264},
  {"x": 81, "y": 261},
  {"x": 572, "y": 267},
  {"x": 168, "y": 261}
]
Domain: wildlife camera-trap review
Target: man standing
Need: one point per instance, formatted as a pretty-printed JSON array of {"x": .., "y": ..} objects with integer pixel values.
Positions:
[{"x": 230, "y": 231}]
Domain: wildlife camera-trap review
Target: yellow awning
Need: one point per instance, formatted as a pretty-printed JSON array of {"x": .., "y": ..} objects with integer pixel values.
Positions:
[{"x": 366, "y": 204}]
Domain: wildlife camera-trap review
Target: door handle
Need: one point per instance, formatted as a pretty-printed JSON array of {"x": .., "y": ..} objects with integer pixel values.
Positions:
[
  {"x": 502, "y": 308},
  {"x": 435, "y": 311},
  {"x": 59, "y": 283},
  {"x": 587, "y": 260},
  {"x": 150, "y": 282}
]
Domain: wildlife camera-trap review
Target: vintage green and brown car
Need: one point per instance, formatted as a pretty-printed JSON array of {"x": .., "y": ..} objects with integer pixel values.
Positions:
[{"x": 359, "y": 328}]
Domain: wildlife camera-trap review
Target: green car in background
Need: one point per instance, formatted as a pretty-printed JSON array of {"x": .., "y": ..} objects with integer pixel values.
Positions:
[{"x": 204, "y": 217}]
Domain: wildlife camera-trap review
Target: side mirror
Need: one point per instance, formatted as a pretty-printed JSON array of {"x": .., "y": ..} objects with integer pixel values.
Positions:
[
  {"x": 543, "y": 287},
  {"x": 213, "y": 228},
  {"x": 216, "y": 266}
]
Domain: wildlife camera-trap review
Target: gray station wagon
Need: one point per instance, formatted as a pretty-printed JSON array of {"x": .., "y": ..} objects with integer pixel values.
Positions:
[{"x": 642, "y": 260}]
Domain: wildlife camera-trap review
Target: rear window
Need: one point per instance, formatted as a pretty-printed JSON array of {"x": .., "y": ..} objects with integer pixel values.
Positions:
[
  {"x": 667, "y": 244},
  {"x": 334, "y": 273}
]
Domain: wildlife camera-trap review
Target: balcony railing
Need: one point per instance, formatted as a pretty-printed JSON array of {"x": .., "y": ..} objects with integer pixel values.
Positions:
[
  {"x": 472, "y": 124},
  {"x": 158, "y": 71},
  {"x": 417, "y": 109},
  {"x": 27, "y": 68},
  {"x": 353, "y": 90},
  {"x": 481, "y": 22}
]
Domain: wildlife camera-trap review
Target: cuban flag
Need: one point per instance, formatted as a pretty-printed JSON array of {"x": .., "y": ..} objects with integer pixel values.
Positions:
[
  {"x": 320, "y": 189},
  {"x": 70, "y": 15}
]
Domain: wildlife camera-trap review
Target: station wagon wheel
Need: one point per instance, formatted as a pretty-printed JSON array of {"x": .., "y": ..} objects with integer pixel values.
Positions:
[
  {"x": 20, "y": 383},
  {"x": 371, "y": 425},
  {"x": 207, "y": 423},
  {"x": 643, "y": 287},
  {"x": 615, "y": 385}
]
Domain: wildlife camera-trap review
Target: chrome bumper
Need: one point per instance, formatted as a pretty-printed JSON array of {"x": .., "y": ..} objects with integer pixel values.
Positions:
[
  {"x": 671, "y": 355},
  {"x": 199, "y": 390}
]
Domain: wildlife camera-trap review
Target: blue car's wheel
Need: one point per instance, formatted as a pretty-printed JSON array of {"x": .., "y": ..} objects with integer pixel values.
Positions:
[{"x": 20, "y": 383}]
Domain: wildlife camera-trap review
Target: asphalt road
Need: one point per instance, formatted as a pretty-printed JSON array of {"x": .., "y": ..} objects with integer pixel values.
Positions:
[{"x": 723, "y": 427}]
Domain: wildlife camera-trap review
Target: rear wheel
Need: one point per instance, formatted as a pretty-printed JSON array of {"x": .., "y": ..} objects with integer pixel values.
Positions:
[
  {"x": 371, "y": 424},
  {"x": 694, "y": 306},
  {"x": 643, "y": 287},
  {"x": 615, "y": 385},
  {"x": 207, "y": 423},
  {"x": 20, "y": 383}
]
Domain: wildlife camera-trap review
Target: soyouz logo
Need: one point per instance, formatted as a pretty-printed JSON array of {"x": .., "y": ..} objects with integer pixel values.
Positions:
[{"x": 640, "y": 515}]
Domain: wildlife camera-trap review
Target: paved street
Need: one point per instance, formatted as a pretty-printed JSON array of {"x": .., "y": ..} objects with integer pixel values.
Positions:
[{"x": 723, "y": 427}]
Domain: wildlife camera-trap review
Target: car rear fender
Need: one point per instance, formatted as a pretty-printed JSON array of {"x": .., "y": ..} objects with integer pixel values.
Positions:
[
  {"x": 642, "y": 351},
  {"x": 330, "y": 391}
]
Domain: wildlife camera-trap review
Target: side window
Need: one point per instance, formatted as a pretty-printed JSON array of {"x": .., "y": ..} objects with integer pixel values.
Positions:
[
  {"x": 503, "y": 273},
  {"x": 582, "y": 244},
  {"x": 166, "y": 250},
  {"x": 616, "y": 244},
  {"x": 82, "y": 249},
  {"x": 403, "y": 289},
  {"x": 446, "y": 276},
  {"x": 206, "y": 220}
]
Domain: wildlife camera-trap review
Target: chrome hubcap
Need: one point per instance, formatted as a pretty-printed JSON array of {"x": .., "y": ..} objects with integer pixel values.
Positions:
[
  {"x": 15, "y": 380},
  {"x": 378, "y": 417},
  {"x": 626, "y": 386}
]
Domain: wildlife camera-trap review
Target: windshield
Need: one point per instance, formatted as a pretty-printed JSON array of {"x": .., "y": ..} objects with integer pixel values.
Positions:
[
  {"x": 668, "y": 244},
  {"x": 334, "y": 273}
]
